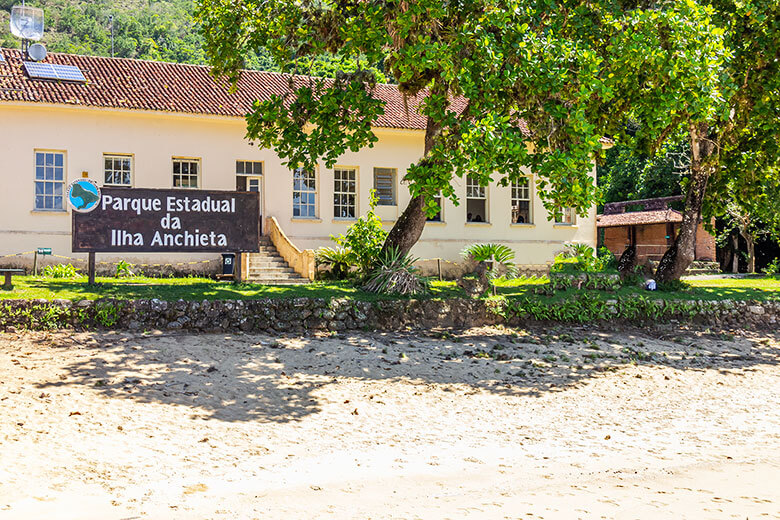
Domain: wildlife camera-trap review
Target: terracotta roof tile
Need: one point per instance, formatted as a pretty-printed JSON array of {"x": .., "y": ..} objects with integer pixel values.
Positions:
[
  {"x": 171, "y": 87},
  {"x": 638, "y": 218}
]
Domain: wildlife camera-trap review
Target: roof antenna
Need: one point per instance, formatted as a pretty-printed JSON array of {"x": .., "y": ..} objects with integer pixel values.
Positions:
[{"x": 111, "y": 20}]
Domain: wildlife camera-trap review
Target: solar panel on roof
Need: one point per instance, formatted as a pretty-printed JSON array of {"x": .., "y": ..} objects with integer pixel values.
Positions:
[{"x": 54, "y": 71}]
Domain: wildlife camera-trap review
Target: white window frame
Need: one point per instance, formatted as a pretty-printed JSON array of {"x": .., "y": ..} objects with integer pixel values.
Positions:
[
  {"x": 255, "y": 165},
  {"x": 45, "y": 179},
  {"x": 113, "y": 157},
  {"x": 475, "y": 191},
  {"x": 387, "y": 171},
  {"x": 522, "y": 193},
  {"x": 299, "y": 189},
  {"x": 569, "y": 218},
  {"x": 181, "y": 161},
  {"x": 340, "y": 194}
]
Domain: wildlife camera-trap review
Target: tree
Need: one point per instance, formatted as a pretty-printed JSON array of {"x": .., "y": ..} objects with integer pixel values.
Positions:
[
  {"x": 628, "y": 174},
  {"x": 504, "y": 85},
  {"x": 755, "y": 215},
  {"x": 733, "y": 155}
]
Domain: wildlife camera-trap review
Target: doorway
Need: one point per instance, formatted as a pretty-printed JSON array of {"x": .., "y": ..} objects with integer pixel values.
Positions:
[{"x": 252, "y": 183}]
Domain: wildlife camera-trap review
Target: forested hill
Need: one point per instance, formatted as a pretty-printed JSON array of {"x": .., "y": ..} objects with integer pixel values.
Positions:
[{"x": 162, "y": 30}]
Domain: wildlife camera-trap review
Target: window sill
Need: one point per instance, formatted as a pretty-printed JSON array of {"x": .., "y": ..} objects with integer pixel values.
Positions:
[
  {"x": 344, "y": 220},
  {"x": 435, "y": 223},
  {"x": 49, "y": 212},
  {"x": 561, "y": 225},
  {"x": 479, "y": 224},
  {"x": 305, "y": 219},
  {"x": 523, "y": 225},
  {"x": 127, "y": 186}
]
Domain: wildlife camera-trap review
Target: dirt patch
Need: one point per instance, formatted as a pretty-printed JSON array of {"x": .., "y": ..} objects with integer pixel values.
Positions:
[{"x": 489, "y": 423}]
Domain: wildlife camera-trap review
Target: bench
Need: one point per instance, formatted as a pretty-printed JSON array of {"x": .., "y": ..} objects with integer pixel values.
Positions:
[{"x": 7, "y": 285}]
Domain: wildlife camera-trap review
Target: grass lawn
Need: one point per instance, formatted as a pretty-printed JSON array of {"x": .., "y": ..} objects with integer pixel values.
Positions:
[
  {"x": 759, "y": 288},
  {"x": 29, "y": 287}
]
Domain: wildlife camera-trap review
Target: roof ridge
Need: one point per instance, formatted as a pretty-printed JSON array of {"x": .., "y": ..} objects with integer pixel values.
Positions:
[{"x": 178, "y": 63}]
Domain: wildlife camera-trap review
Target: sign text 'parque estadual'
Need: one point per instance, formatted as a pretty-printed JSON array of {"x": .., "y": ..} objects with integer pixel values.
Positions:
[{"x": 151, "y": 220}]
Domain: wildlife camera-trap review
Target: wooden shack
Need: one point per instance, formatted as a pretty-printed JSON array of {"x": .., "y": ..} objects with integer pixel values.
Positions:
[{"x": 650, "y": 225}]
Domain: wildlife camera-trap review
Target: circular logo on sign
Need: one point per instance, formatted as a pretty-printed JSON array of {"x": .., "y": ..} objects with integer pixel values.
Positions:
[{"x": 83, "y": 195}]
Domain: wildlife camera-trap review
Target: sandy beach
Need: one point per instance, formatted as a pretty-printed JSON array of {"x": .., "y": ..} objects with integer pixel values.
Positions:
[{"x": 487, "y": 423}]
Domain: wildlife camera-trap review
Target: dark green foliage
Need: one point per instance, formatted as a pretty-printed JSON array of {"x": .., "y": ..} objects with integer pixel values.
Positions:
[
  {"x": 626, "y": 174},
  {"x": 674, "y": 286},
  {"x": 773, "y": 269},
  {"x": 363, "y": 241},
  {"x": 154, "y": 30},
  {"x": 338, "y": 261},
  {"x": 162, "y": 30},
  {"x": 588, "y": 307},
  {"x": 608, "y": 258},
  {"x": 581, "y": 258},
  {"x": 573, "y": 71},
  {"x": 395, "y": 274}
]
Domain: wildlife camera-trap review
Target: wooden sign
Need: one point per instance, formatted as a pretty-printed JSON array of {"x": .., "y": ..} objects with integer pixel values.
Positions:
[{"x": 130, "y": 220}]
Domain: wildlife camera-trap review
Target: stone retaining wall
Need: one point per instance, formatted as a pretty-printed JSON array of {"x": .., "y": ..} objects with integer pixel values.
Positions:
[{"x": 309, "y": 314}]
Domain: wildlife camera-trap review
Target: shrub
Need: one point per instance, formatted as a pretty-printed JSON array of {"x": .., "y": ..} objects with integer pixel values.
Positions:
[
  {"x": 123, "y": 269},
  {"x": 498, "y": 254},
  {"x": 59, "y": 271},
  {"x": 674, "y": 286},
  {"x": 607, "y": 258},
  {"x": 338, "y": 260},
  {"x": 773, "y": 269},
  {"x": 364, "y": 239},
  {"x": 581, "y": 258},
  {"x": 395, "y": 274}
]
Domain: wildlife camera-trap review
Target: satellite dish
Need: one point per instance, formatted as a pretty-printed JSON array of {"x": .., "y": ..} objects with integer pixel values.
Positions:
[
  {"x": 27, "y": 22},
  {"x": 36, "y": 52}
]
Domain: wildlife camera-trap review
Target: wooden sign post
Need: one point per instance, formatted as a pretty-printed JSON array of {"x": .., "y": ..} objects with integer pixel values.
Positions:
[
  {"x": 91, "y": 268},
  {"x": 42, "y": 251}
]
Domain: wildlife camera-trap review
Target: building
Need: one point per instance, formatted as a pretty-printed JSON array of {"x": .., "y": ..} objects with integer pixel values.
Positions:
[
  {"x": 148, "y": 124},
  {"x": 652, "y": 229}
]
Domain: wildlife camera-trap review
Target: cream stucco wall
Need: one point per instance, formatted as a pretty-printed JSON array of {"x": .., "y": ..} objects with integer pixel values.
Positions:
[{"x": 154, "y": 139}]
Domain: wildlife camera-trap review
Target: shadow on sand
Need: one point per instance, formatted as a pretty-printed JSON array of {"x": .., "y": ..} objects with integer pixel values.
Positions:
[{"x": 260, "y": 378}]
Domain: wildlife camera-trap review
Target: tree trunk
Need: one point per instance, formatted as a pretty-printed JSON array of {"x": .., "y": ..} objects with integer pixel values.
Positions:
[
  {"x": 409, "y": 226},
  {"x": 683, "y": 251},
  {"x": 751, "y": 252},
  {"x": 735, "y": 253}
]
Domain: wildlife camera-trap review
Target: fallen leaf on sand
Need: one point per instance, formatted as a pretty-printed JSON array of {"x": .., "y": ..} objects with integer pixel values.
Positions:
[
  {"x": 189, "y": 490},
  {"x": 355, "y": 412},
  {"x": 74, "y": 413}
]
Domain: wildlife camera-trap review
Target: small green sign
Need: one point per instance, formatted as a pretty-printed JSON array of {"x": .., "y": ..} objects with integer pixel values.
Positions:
[{"x": 44, "y": 251}]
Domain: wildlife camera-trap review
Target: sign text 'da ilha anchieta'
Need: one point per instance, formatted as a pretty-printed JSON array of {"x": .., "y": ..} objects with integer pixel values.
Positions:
[{"x": 150, "y": 220}]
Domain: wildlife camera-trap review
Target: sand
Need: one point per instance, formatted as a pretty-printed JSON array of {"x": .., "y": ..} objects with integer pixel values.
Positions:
[{"x": 488, "y": 423}]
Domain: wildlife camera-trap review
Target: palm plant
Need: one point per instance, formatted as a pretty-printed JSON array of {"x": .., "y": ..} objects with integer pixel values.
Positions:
[
  {"x": 339, "y": 260},
  {"x": 495, "y": 255}
]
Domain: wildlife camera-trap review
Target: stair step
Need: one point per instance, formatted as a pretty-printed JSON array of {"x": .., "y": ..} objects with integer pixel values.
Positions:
[
  {"x": 270, "y": 271},
  {"x": 267, "y": 267},
  {"x": 266, "y": 264},
  {"x": 279, "y": 281}
]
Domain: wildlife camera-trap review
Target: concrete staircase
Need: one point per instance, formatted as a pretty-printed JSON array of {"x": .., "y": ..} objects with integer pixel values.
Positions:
[{"x": 269, "y": 268}]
